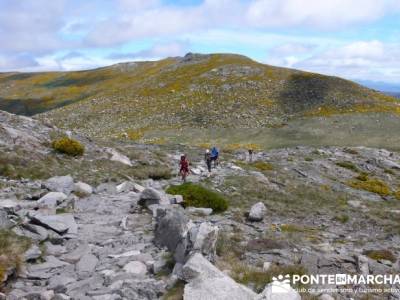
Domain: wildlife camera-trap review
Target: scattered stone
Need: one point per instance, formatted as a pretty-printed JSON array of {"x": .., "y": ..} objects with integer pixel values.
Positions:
[
  {"x": 87, "y": 264},
  {"x": 63, "y": 184},
  {"x": 83, "y": 189},
  {"x": 118, "y": 157},
  {"x": 151, "y": 196},
  {"x": 52, "y": 199},
  {"x": 108, "y": 188},
  {"x": 63, "y": 224},
  {"x": 175, "y": 199},
  {"x": 5, "y": 223},
  {"x": 200, "y": 211},
  {"x": 126, "y": 254},
  {"x": 125, "y": 187},
  {"x": 33, "y": 253},
  {"x": 257, "y": 212}
]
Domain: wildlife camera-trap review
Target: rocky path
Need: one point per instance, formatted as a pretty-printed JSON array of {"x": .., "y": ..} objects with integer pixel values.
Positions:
[{"x": 112, "y": 256}]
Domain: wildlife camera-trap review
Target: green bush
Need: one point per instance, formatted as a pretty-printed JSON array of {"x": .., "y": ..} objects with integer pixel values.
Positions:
[
  {"x": 68, "y": 146},
  {"x": 198, "y": 196}
]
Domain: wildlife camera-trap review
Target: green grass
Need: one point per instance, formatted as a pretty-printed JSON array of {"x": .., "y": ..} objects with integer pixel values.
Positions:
[
  {"x": 176, "y": 292},
  {"x": 199, "y": 196},
  {"x": 258, "y": 279}
]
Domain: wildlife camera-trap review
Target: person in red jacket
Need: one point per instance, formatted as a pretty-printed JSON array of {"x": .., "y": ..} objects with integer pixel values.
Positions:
[{"x": 184, "y": 167}]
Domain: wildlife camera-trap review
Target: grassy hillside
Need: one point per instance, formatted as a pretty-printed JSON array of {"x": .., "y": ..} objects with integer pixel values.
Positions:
[{"x": 197, "y": 91}]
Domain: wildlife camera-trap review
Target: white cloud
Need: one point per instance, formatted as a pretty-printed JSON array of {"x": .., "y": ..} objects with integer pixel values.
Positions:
[
  {"x": 322, "y": 14},
  {"x": 370, "y": 60}
]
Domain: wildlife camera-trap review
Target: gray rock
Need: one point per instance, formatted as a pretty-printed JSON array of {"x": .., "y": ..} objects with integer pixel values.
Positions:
[
  {"x": 175, "y": 199},
  {"x": 5, "y": 223},
  {"x": 257, "y": 212},
  {"x": 200, "y": 238},
  {"x": 129, "y": 186},
  {"x": 172, "y": 226},
  {"x": 83, "y": 189},
  {"x": 61, "y": 297},
  {"x": 207, "y": 282},
  {"x": 51, "y": 263},
  {"x": 118, "y": 157},
  {"x": 33, "y": 253},
  {"x": 75, "y": 256},
  {"x": 55, "y": 250},
  {"x": 200, "y": 211},
  {"x": 52, "y": 199},
  {"x": 63, "y": 224},
  {"x": 59, "y": 283},
  {"x": 108, "y": 188},
  {"x": 63, "y": 184},
  {"x": 279, "y": 291},
  {"x": 34, "y": 232},
  {"x": 151, "y": 196},
  {"x": 362, "y": 265},
  {"x": 87, "y": 264},
  {"x": 136, "y": 268}
]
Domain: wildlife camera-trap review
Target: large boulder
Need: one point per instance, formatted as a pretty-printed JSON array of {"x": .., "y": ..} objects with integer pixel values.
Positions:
[
  {"x": 63, "y": 184},
  {"x": 82, "y": 189},
  {"x": 200, "y": 238},
  {"x": 172, "y": 226},
  {"x": 52, "y": 199},
  {"x": 205, "y": 281},
  {"x": 257, "y": 212},
  {"x": 151, "y": 196}
]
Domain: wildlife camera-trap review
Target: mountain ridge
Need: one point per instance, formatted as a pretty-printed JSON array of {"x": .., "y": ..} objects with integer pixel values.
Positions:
[{"x": 197, "y": 90}]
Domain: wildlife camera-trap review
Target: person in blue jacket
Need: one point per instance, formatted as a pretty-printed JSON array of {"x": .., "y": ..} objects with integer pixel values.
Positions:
[{"x": 215, "y": 156}]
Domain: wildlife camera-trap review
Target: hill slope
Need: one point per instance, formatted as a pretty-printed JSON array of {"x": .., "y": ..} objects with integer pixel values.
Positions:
[{"x": 218, "y": 90}]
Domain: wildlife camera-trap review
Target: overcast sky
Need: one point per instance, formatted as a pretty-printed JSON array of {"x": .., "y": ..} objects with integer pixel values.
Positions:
[{"x": 356, "y": 39}]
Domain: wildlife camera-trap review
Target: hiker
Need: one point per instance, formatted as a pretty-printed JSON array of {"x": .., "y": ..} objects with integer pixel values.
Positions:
[
  {"x": 215, "y": 156},
  {"x": 207, "y": 158},
  {"x": 251, "y": 155},
  {"x": 184, "y": 167}
]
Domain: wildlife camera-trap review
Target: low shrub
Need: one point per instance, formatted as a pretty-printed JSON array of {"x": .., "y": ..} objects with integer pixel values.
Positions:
[
  {"x": 198, "y": 196},
  {"x": 397, "y": 195},
  {"x": 68, "y": 146},
  {"x": 371, "y": 185},
  {"x": 381, "y": 254}
]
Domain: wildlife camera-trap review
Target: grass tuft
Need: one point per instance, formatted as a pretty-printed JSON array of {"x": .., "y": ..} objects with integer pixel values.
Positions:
[{"x": 383, "y": 254}]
